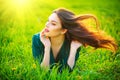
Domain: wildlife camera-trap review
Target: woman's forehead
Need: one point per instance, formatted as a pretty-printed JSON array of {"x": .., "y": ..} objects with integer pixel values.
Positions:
[{"x": 53, "y": 17}]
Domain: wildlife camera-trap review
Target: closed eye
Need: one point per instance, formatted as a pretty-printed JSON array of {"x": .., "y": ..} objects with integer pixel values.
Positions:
[{"x": 54, "y": 24}]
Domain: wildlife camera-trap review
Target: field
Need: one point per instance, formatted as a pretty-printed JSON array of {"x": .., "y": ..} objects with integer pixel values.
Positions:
[{"x": 19, "y": 20}]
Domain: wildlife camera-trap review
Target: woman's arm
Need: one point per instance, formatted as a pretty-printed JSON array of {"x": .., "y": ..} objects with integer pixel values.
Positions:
[
  {"x": 46, "y": 58},
  {"x": 47, "y": 44},
  {"x": 71, "y": 59},
  {"x": 73, "y": 49}
]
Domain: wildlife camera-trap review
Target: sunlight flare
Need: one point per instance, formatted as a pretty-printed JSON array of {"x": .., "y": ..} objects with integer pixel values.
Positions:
[
  {"x": 20, "y": 4},
  {"x": 19, "y": 11}
]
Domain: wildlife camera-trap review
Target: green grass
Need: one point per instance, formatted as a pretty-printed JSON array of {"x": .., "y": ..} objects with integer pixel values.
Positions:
[{"x": 16, "y": 60}]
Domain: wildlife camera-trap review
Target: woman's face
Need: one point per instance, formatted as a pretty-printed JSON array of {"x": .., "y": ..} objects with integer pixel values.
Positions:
[{"x": 53, "y": 26}]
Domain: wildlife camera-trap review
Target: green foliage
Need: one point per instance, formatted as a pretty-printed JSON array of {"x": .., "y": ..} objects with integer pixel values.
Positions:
[{"x": 16, "y": 60}]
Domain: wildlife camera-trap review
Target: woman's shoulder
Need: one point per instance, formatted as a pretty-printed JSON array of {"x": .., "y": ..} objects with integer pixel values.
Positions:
[
  {"x": 36, "y": 38},
  {"x": 36, "y": 35}
]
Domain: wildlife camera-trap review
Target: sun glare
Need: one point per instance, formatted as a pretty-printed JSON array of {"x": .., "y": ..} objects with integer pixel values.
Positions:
[
  {"x": 20, "y": 11},
  {"x": 20, "y": 4}
]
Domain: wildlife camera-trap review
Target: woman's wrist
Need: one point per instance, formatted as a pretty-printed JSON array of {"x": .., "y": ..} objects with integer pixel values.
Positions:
[{"x": 47, "y": 48}]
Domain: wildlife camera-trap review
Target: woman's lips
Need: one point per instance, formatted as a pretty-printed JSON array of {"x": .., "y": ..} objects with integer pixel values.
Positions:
[{"x": 46, "y": 30}]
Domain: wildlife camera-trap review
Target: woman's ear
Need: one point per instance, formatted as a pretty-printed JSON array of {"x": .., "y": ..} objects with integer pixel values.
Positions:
[{"x": 64, "y": 31}]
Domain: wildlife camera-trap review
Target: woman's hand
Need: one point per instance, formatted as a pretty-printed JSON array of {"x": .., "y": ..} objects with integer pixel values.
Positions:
[
  {"x": 75, "y": 44},
  {"x": 45, "y": 40}
]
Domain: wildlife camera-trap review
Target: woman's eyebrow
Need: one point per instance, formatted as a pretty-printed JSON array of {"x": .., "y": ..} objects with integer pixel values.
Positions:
[{"x": 54, "y": 21}]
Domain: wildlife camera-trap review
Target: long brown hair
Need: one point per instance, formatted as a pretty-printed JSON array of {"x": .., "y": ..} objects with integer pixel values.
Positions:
[{"x": 77, "y": 31}]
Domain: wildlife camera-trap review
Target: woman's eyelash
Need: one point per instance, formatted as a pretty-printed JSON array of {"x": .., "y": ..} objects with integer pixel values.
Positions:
[{"x": 53, "y": 24}]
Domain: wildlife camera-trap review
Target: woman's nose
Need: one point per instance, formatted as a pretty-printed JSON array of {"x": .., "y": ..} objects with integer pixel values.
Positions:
[{"x": 47, "y": 24}]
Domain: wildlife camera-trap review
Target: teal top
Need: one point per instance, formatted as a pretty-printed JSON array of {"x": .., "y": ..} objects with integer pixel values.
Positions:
[{"x": 62, "y": 57}]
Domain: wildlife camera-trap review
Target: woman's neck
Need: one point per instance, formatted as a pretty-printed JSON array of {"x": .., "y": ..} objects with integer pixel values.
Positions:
[{"x": 57, "y": 41}]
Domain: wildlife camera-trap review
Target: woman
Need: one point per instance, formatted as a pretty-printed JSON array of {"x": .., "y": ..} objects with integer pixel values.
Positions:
[{"x": 61, "y": 39}]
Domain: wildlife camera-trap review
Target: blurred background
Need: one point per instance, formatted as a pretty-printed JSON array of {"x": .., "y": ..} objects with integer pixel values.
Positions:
[{"x": 21, "y": 19}]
